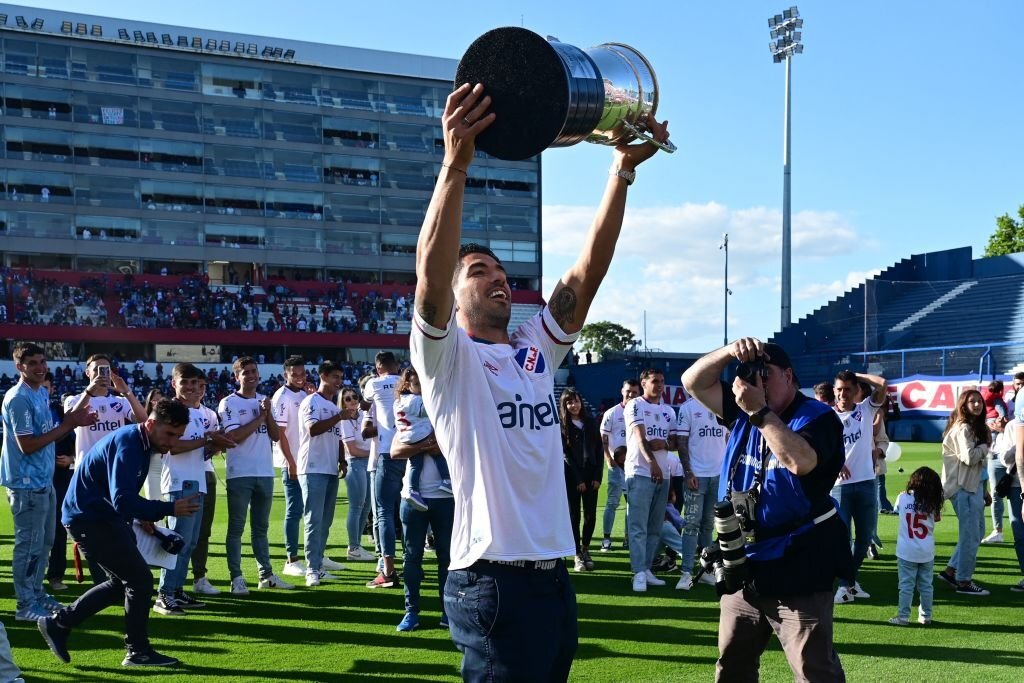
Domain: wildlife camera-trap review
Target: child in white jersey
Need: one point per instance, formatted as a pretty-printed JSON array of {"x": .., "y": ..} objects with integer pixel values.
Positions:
[
  {"x": 413, "y": 426},
  {"x": 919, "y": 507}
]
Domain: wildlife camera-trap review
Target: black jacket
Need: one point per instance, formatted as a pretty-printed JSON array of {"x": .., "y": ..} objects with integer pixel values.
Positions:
[{"x": 582, "y": 452}]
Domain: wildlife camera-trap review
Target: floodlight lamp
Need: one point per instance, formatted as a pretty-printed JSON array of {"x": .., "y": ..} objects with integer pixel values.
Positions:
[
  {"x": 771, "y": 22},
  {"x": 799, "y": 23},
  {"x": 65, "y": 27},
  {"x": 37, "y": 24},
  {"x": 787, "y": 14},
  {"x": 778, "y": 18},
  {"x": 97, "y": 30},
  {"x": 777, "y": 57},
  {"x": 798, "y": 48},
  {"x": 796, "y": 36}
]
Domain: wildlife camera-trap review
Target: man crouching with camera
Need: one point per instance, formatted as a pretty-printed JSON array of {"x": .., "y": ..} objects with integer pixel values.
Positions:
[{"x": 784, "y": 454}]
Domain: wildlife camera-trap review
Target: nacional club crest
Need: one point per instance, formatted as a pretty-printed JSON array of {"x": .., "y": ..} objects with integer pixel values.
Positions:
[{"x": 531, "y": 359}]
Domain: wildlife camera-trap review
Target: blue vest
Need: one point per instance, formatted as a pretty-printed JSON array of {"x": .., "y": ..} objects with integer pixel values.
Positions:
[{"x": 782, "y": 502}]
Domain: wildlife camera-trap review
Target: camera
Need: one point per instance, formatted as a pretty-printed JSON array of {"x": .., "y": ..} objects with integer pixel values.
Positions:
[
  {"x": 751, "y": 370},
  {"x": 171, "y": 541},
  {"x": 744, "y": 503},
  {"x": 726, "y": 558}
]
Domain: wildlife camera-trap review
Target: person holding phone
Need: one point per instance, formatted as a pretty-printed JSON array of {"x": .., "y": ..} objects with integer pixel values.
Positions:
[{"x": 102, "y": 502}]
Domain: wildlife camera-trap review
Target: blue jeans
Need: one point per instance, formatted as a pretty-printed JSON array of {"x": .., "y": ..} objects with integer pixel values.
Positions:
[
  {"x": 173, "y": 580},
  {"x": 416, "y": 468},
  {"x": 616, "y": 487},
  {"x": 253, "y": 495},
  {"x": 970, "y": 508},
  {"x": 996, "y": 470},
  {"x": 292, "y": 513},
  {"x": 387, "y": 485},
  {"x": 357, "y": 485},
  {"x": 915, "y": 575},
  {"x": 439, "y": 516},
  {"x": 883, "y": 499},
  {"x": 672, "y": 539},
  {"x": 644, "y": 518},
  {"x": 1017, "y": 525},
  {"x": 512, "y": 623},
  {"x": 35, "y": 516},
  {"x": 858, "y": 505},
  {"x": 319, "y": 497},
  {"x": 698, "y": 518},
  {"x": 8, "y": 669}
]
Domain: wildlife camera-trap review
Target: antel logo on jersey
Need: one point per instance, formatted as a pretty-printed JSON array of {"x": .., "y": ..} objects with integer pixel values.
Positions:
[
  {"x": 716, "y": 432},
  {"x": 531, "y": 359},
  {"x": 107, "y": 426},
  {"x": 528, "y": 415}
]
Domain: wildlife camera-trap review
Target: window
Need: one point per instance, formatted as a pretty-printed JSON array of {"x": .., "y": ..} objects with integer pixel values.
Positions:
[
  {"x": 406, "y": 138},
  {"x": 348, "y": 132},
  {"x": 20, "y": 57},
  {"x": 172, "y": 196},
  {"x": 231, "y": 81},
  {"x": 107, "y": 265},
  {"x": 228, "y": 200},
  {"x": 403, "y": 211},
  {"x": 237, "y": 162},
  {"x": 476, "y": 180},
  {"x": 291, "y": 86},
  {"x": 518, "y": 251},
  {"x": 295, "y": 167},
  {"x": 106, "y": 150},
  {"x": 106, "y": 109},
  {"x": 285, "y": 204},
  {"x": 352, "y": 243},
  {"x": 175, "y": 233},
  {"x": 104, "y": 66},
  {"x": 37, "y": 103},
  {"x": 39, "y": 186},
  {"x": 349, "y": 208},
  {"x": 511, "y": 182},
  {"x": 106, "y": 191},
  {"x": 409, "y": 175},
  {"x": 37, "y": 144},
  {"x": 409, "y": 99},
  {"x": 108, "y": 228},
  {"x": 167, "y": 155},
  {"x": 296, "y": 239},
  {"x": 179, "y": 117},
  {"x": 238, "y": 122},
  {"x": 169, "y": 74},
  {"x": 349, "y": 93},
  {"x": 352, "y": 170},
  {"x": 474, "y": 216},
  {"x": 397, "y": 244},
  {"x": 290, "y": 127},
  {"x": 509, "y": 218},
  {"x": 234, "y": 236},
  {"x": 53, "y": 225},
  {"x": 53, "y": 61}
]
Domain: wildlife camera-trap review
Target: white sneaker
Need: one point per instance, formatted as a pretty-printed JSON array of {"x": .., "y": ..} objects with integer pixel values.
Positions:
[
  {"x": 859, "y": 592},
  {"x": 994, "y": 537},
  {"x": 640, "y": 582},
  {"x": 653, "y": 580},
  {"x": 331, "y": 565},
  {"x": 707, "y": 578},
  {"x": 360, "y": 554},
  {"x": 312, "y": 578},
  {"x": 843, "y": 595},
  {"x": 296, "y": 568},
  {"x": 238, "y": 586},
  {"x": 685, "y": 582},
  {"x": 324, "y": 576},
  {"x": 203, "y": 586},
  {"x": 274, "y": 581}
]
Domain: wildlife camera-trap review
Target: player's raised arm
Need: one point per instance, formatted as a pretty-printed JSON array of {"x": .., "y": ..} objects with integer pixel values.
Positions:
[
  {"x": 574, "y": 293},
  {"x": 437, "y": 251}
]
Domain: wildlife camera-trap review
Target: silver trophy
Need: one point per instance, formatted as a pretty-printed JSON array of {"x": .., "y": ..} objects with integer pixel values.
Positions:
[{"x": 547, "y": 93}]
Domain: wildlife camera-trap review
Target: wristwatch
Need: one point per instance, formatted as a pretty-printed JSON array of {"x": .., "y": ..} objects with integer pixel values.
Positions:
[
  {"x": 628, "y": 176},
  {"x": 757, "y": 419}
]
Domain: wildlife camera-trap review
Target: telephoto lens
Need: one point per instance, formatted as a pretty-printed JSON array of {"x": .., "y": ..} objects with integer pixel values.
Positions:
[{"x": 734, "y": 571}]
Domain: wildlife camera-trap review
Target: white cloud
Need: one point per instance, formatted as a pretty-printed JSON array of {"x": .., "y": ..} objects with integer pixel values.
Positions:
[
  {"x": 835, "y": 288},
  {"x": 668, "y": 263}
]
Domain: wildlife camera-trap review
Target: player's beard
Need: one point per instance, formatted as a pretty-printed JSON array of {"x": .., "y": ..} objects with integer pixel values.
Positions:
[{"x": 479, "y": 317}]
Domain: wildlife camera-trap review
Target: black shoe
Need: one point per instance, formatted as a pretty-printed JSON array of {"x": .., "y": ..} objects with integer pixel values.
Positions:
[
  {"x": 148, "y": 657},
  {"x": 166, "y": 604},
  {"x": 873, "y": 551},
  {"x": 56, "y": 637},
  {"x": 187, "y": 600},
  {"x": 951, "y": 581}
]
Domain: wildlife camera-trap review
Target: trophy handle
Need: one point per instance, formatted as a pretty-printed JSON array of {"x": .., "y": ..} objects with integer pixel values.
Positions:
[{"x": 644, "y": 135}]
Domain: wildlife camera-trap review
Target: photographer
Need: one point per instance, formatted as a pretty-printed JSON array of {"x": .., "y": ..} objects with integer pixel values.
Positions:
[{"x": 788, "y": 449}]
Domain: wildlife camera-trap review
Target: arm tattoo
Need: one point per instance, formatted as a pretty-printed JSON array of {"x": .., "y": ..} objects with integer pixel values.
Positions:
[
  {"x": 684, "y": 453},
  {"x": 428, "y": 312},
  {"x": 563, "y": 306}
]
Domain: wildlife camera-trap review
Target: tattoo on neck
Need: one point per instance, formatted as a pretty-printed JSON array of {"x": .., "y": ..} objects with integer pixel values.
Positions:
[
  {"x": 428, "y": 312},
  {"x": 563, "y": 306}
]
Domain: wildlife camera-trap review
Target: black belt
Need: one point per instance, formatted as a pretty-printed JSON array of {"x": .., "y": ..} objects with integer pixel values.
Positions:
[{"x": 539, "y": 565}]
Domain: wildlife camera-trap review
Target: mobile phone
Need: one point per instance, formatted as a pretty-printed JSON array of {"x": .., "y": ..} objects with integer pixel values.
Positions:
[
  {"x": 104, "y": 371},
  {"x": 189, "y": 488}
]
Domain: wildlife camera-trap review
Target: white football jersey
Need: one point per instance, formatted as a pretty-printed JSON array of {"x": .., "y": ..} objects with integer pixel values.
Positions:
[
  {"x": 380, "y": 392},
  {"x": 411, "y": 421},
  {"x": 658, "y": 421},
  {"x": 113, "y": 412},
  {"x": 190, "y": 465},
  {"x": 212, "y": 421},
  {"x": 706, "y": 438},
  {"x": 613, "y": 425},
  {"x": 352, "y": 433},
  {"x": 496, "y": 421},
  {"x": 253, "y": 456},
  {"x": 859, "y": 439},
  {"x": 318, "y": 454},
  {"x": 285, "y": 406}
]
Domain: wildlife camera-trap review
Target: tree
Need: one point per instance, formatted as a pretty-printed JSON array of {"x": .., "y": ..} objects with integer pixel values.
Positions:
[
  {"x": 604, "y": 336},
  {"x": 1009, "y": 235}
]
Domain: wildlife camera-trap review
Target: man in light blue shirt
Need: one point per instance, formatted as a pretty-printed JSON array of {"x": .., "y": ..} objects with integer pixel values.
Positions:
[{"x": 26, "y": 470}]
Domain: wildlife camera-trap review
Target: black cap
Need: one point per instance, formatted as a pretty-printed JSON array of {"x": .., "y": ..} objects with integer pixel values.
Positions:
[{"x": 776, "y": 355}]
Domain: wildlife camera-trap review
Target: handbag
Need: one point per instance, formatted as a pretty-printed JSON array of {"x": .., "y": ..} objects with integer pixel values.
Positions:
[{"x": 1006, "y": 482}]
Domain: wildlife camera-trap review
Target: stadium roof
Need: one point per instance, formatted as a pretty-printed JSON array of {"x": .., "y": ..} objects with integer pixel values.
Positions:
[{"x": 31, "y": 20}]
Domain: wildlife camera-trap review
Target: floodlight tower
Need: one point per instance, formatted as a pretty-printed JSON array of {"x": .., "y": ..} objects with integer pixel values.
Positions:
[
  {"x": 785, "y": 33},
  {"x": 725, "y": 329}
]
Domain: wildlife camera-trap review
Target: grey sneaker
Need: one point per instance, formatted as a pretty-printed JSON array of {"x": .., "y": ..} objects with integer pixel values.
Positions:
[{"x": 148, "y": 657}]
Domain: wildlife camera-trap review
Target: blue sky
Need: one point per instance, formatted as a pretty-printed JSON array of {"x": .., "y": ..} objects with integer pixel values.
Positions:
[{"x": 907, "y": 137}]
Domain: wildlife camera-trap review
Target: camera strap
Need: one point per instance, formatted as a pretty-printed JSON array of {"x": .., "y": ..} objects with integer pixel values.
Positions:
[{"x": 761, "y": 472}]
